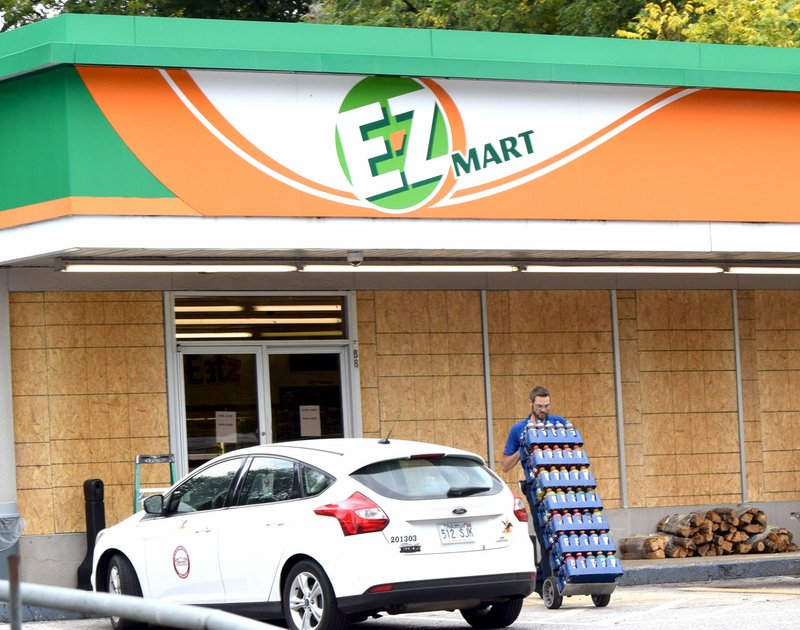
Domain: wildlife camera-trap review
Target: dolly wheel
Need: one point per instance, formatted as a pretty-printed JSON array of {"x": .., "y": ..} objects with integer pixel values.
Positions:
[
  {"x": 601, "y": 601},
  {"x": 552, "y": 598}
]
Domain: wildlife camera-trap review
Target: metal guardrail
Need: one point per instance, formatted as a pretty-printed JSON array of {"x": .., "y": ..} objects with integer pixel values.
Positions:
[{"x": 106, "y": 605}]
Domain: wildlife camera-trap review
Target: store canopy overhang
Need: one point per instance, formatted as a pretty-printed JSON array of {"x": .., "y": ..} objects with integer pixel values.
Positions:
[
  {"x": 144, "y": 219},
  {"x": 75, "y": 39}
]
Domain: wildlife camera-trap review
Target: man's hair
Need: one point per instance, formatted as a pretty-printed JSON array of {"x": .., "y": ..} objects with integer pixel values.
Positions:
[{"x": 539, "y": 392}]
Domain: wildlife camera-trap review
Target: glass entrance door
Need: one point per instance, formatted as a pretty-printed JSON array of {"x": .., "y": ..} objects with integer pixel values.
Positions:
[
  {"x": 306, "y": 395},
  {"x": 239, "y": 396},
  {"x": 221, "y": 397}
]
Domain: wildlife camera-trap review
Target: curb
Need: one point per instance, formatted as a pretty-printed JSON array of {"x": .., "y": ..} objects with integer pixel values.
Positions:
[{"x": 644, "y": 572}]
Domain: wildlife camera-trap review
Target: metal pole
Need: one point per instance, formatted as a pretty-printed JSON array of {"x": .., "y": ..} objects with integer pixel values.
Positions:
[
  {"x": 623, "y": 475},
  {"x": 487, "y": 389},
  {"x": 14, "y": 601},
  {"x": 137, "y": 608},
  {"x": 739, "y": 404}
]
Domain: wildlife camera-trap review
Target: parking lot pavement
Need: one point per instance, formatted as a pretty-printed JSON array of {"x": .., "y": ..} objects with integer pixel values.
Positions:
[
  {"x": 767, "y": 602},
  {"x": 64, "y": 624},
  {"x": 665, "y": 577}
]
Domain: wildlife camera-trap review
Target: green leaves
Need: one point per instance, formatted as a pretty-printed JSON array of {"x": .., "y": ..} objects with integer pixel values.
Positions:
[
  {"x": 562, "y": 17},
  {"x": 746, "y": 22}
]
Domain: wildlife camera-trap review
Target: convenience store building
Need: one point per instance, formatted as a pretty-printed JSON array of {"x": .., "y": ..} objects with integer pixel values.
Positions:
[{"x": 215, "y": 234}]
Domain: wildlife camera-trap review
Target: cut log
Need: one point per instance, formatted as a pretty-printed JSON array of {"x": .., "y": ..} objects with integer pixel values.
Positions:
[
  {"x": 639, "y": 547},
  {"x": 678, "y": 547},
  {"x": 715, "y": 532},
  {"x": 683, "y": 525},
  {"x": 771, "y": 540},
  {"x": 742, "y": 547},
  {"x": 679, "y": 524},
  {"x": 746, "y": 514}
]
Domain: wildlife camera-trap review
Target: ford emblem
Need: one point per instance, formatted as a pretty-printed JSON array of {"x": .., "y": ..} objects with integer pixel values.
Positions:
[{"x": 460, "y": 510}]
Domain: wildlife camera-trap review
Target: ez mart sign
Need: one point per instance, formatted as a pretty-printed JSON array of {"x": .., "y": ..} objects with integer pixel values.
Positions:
[
  {"x": 395, "y": 142},
  {"x": 277, "y": 144}
]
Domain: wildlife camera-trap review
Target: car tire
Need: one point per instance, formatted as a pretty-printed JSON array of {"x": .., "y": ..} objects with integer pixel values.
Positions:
[
  {"x": 309, "y": 601},
  {"x": 122, "y": 580},
  {"x": 601, "y": 600},
  {"x": 497, "y": 615}
]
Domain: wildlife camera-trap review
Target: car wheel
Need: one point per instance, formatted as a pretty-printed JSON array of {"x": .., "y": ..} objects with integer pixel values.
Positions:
[
  {"x": 122, "y": 580},
  {"x": 308, "y": 600},
  {"x": 497, "y": 615},
  {"x": 601, "y": 600},
  {"x": 552, "y": 598}
]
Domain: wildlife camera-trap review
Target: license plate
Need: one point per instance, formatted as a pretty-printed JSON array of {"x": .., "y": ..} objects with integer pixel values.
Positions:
[{"x": 452, "y": 533}]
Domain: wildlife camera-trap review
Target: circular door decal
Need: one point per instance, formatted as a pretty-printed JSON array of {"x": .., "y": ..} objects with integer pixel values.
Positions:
[{"x": 180, "y": 562}]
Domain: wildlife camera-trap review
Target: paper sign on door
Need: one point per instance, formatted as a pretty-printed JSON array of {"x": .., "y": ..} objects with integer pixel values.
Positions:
[
  {"x": 226, "y": 426},
  {"x": 310, "y": 421}
]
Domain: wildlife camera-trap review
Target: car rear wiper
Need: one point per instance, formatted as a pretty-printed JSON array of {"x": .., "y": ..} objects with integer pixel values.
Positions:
[{"x": 466, "y": 491}]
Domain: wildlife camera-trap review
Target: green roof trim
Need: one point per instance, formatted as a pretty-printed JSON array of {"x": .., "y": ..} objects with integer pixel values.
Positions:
[
  {"x": 74, "y": 151},
  {"x": 222, "y": 44}
]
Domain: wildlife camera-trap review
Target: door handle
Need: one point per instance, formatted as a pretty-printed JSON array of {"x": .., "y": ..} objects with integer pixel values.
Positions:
[{"x": 203, "y": 531}]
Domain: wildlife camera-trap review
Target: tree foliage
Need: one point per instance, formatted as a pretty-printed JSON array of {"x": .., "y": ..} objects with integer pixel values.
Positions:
[
  {"x": 747, "y": 22},
  {"x": 20, "y": 12},
  {"x": 259, "y": 10},
  {"x": 562, "y": 17},
  {"x": 750, "y": 22}
]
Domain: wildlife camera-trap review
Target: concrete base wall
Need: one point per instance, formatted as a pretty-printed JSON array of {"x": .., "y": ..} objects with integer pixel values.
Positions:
[{"x": 52, "y": 560}]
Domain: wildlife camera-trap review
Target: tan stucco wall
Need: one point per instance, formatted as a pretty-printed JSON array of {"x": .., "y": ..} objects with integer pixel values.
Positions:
[
  {"x": 678, "y": 372},
  {"x": 422, "y": 366},
  {"x": 775, "y": 421},
  {"x": 422, "y": 374},
  {"x": 679, "y": 390},
  {"x": 89, "y": 393},
  {"x": 89, "y": 387}
]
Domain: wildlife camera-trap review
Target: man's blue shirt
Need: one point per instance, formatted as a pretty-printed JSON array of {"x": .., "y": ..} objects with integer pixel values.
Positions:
[{"x": 515, "y": 434}]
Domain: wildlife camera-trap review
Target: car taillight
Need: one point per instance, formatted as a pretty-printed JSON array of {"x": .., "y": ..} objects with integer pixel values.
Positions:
[
  {"x": 357, "y": 514},
  {"x": 520, "y": 511}
]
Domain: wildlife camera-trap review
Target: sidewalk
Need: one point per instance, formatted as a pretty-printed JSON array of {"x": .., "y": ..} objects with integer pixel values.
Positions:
[{"x": 703, "y": 569}]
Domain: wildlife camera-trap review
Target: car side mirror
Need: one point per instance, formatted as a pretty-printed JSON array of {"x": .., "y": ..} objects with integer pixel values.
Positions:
[{"x": 154, "y": 504}]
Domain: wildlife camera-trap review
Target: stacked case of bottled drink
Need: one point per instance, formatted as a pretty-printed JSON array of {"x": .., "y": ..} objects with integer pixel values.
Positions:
[{"x": 562, "y": 493}]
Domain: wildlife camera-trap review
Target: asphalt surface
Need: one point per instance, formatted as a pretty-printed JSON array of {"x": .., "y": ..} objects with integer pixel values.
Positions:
[{"x": 685, "y": 574}]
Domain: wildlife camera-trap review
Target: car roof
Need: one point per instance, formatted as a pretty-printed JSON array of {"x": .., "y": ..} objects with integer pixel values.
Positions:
[{"x": 352, "y": 453}]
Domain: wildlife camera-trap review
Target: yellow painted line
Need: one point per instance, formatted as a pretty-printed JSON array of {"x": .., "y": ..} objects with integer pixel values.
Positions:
[{"x": 757, "y": 591}]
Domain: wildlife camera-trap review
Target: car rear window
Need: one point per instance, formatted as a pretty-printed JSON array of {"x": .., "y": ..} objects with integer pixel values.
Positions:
[{"x": 433, "y": 477}]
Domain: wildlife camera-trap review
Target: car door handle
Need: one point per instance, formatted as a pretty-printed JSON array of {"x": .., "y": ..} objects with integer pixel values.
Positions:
[{"x": 202, "y": 531}]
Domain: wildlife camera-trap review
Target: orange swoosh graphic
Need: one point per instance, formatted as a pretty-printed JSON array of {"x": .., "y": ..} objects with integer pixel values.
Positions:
[
  {"x": 708, "y": 155},
  {"x": 94, "y": 206},
  {"x": 200, "y": 101},
  {"x": 573, "y": 150},
  {"x": 187, "y": 158}
]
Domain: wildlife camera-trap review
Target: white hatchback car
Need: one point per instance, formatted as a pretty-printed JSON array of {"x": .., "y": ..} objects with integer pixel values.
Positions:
[{"x": 322, "y": 533}]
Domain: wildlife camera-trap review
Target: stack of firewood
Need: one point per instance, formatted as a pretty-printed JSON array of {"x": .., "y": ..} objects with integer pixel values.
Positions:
[{"x": 717, "y": 532}]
